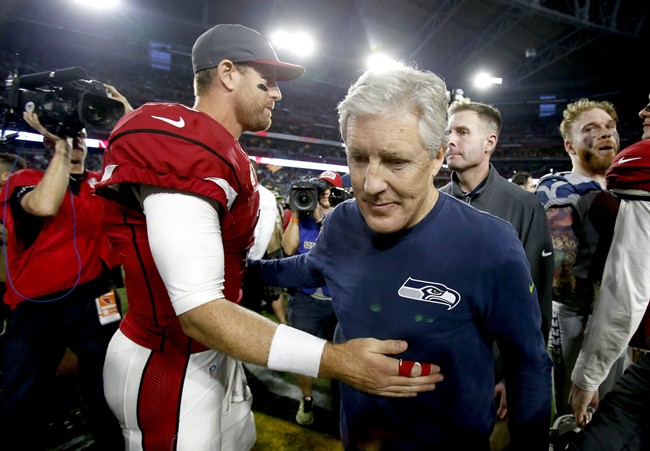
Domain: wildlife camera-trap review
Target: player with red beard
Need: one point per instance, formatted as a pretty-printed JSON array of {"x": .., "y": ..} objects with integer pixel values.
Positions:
[{"x": 581, "y": 214}]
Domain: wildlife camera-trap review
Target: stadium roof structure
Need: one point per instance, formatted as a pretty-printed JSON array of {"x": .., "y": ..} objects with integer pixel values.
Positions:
[{"x": 564, "y": 49}]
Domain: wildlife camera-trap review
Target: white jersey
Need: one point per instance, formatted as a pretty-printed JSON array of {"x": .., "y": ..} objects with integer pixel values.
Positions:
[{"x": 623, "y": 297}]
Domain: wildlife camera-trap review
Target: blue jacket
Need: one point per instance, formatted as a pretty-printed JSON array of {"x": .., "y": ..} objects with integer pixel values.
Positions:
[{"x": 450, "y": 286}]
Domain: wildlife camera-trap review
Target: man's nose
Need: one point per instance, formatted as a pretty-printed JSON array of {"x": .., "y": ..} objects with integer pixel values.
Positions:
[
  {"x": 274, "y": 91},
  {"x": 375, "y": 181}
]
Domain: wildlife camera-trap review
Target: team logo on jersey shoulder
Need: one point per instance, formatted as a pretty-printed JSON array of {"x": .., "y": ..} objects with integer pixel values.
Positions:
[{"x": 437, "y": 293}]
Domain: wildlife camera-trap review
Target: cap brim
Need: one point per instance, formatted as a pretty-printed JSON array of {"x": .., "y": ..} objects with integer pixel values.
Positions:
[{"x": 284, "y": 71}]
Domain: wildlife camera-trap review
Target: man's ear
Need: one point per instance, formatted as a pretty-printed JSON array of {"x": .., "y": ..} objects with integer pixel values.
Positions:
[
  {"x": 568, "y": 146},
  {"x": 437, "y": 161},
  {"x": 4, "y": 176},
  {"x": 492, "y": 140},
  {"x": 226, "y": 71}
]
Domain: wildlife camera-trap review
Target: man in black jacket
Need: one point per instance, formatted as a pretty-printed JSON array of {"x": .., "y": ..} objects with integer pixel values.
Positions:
[{"x": 473, "y": 133}]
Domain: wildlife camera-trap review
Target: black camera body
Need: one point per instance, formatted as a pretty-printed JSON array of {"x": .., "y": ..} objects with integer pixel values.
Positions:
[
  {"x": 338, "y": 195},
  {"x": 305, "y": 192},
  {"x": 64, "y": 100}
]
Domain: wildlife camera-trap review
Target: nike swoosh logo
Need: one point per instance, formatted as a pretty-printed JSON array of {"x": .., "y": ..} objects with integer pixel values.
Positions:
[
  {"x": 625, "y": 160},
  {"x": 546, "y": 253},
  {"x": 531, "y": 287},
  {"x": 178, "y": 124}
]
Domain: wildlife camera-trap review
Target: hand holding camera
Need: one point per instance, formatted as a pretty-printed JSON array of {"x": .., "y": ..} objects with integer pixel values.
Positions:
[{"x": 50, "y": 140}]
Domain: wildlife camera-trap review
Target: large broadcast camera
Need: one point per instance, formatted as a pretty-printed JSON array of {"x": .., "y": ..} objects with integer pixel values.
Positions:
[
  {"x": 305, "y": 192},
  {"x": 64, "y": 100}
]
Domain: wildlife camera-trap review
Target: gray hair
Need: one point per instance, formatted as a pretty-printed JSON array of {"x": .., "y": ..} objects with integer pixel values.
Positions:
[{"x": 405, "y": 88}]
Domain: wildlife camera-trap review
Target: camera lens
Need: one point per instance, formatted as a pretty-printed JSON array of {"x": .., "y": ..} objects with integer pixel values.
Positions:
[
  {"x": 303, "y": 199},
  {"x": 95, "y": 114},
  {"x": 98, "y": 111}
]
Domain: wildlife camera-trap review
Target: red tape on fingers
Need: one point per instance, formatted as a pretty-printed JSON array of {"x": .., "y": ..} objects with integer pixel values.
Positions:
[
  {"x": 405, "y": 367},
  {"x": 426, "y": 369}
]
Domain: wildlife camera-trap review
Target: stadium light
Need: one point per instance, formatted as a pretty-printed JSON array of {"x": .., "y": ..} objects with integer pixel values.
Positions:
[
  {"x": 299, "y": 164},
  {"x": 381, "y": 61},
  {"x": 102, "y": 144},
  {"x": 38, "y": 138},
  {"x": 484, "y": 80},
  {"x": 298, "y": 43},
  {"x": 99, "y": 4}
]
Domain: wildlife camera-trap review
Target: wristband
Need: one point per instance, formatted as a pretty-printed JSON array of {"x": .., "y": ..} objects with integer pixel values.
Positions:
[
  {"x": 295, "y": 351},
  {"x": 295, "y": 220}
]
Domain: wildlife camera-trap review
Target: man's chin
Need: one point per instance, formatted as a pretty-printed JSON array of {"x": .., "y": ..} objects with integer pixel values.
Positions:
[
  {"x": 264, "y": 126},
  {"x": 382, "y": 224}
]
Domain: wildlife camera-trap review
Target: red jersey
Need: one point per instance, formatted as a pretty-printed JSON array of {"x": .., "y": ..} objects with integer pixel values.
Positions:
[
  {"x": 69, "y": 248},
  {"x": 172, "y": 146},
  {"x": 630, "y": 169}
]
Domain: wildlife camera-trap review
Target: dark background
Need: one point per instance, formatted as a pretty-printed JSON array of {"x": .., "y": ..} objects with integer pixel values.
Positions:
[{"x": 558, "y": 49}]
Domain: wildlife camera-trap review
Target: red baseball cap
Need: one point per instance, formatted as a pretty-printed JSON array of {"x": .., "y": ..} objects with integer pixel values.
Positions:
[
  {"x": 239, "y": 44},
  {"x": 331, "y": 177}
]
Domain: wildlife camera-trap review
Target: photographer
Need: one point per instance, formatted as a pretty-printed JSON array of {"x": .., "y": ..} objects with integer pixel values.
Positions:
[
  {"x": 59, "y": 288},
  {"x": 310, "y": 310}
]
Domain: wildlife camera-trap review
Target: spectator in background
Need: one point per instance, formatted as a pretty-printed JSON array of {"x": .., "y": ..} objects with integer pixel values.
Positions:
[
  {"x": 310, "y": 309},
  {"x": 524, "y": 180},
  {"x": 277, "y": 296},
  {"x": 253, "y": 294},
  {"x": 622, "y": 417},
  {"x": 60, "y": 290},
  {"x": 581, "y": 215},
  {"x": 173, "y": 370},
  {"x": 473, "y": 134},
  {"x": 403, "y": 259}
]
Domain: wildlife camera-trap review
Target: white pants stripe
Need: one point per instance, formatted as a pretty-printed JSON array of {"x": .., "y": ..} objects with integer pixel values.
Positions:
[{"x": 215, "y": 402}]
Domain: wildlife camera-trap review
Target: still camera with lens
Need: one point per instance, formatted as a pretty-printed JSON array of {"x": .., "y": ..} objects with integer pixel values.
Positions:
[{"x": 64, "y": 100}]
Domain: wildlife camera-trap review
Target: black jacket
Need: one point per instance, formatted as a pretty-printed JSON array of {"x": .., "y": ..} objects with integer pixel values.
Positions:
[{"x": 524, "y": 211}]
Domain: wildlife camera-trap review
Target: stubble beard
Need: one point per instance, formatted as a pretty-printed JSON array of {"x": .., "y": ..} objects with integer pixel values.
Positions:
[
  {"x": 595, "y": 161},
  {"x": 250, "y": 116}
]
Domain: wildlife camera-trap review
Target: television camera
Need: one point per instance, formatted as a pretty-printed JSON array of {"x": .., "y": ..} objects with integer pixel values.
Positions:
[
  {"x": 305, "y": 192},
  {"x": 64, "y": 100}
]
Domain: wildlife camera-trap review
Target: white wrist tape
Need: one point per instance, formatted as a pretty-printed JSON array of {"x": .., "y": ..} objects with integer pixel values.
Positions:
[{"x": 295, "y": 351}]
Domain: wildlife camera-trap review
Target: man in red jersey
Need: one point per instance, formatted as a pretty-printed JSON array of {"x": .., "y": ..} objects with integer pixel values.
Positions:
[
  {"x": 173, "y": 373},
  {"x": 60, "y": 290}
]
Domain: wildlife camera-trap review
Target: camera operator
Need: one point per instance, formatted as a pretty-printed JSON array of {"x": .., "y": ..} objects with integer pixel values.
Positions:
[
  {"x": 8, "y": 164},
  {"x": 60, "y": 290},
  {"x": 310, "y": 310}
]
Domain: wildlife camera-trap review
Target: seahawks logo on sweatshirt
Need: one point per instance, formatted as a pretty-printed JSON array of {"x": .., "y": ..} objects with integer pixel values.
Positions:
[{"x": 421, "y": 290}]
